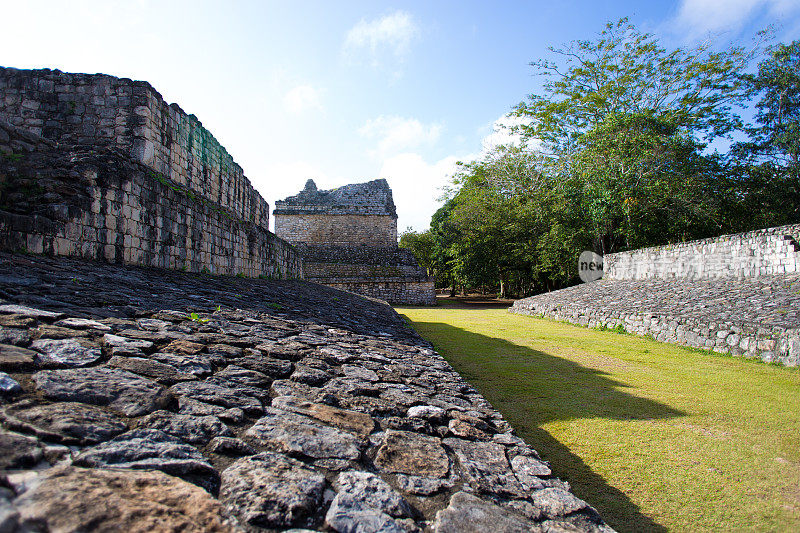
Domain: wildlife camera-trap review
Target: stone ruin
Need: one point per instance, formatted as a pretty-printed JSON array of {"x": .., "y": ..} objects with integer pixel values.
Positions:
[
  {"x": 348, "y": 240},
  {"x": 737, "y": 294},
  {"x": 146, "y": 392}
]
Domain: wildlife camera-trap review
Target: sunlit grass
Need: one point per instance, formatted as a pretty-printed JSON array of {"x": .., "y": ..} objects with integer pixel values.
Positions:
[{"x": 655, "y": 436}]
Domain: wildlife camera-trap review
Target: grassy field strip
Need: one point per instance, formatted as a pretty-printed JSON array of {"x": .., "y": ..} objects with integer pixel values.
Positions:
[{"x": 655, "y": 436}]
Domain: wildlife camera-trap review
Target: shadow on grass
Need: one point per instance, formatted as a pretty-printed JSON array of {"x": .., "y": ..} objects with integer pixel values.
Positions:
[{"x": 532, "y": 388}]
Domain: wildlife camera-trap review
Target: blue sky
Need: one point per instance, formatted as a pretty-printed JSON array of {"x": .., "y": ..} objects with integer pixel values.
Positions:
[{"x": 345, "y": 92}]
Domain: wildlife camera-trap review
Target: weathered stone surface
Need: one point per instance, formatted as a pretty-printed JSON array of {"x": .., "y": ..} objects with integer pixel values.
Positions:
[
  {"x": 555, "y": 502},
  {"x": 217, "y": 395},
  {"x": 273, "y": 368},
  {"x": 230, "y": 446},
  {"x": 423, "y": 486},
  {"x": 46, "y": 331},
  {"x": 296, "y": 434},
  {"x": 528, "y": 469},
  {"x": 70, "y": 423},
  {"x": 15, "y": 336},
  {"x": 197, "y": 365},
  {"x": 80, "y": 499},
  {"x": 350, "y": 515},
  {"x": 125, "y": 346},
  {"x": 82, "y": 323},
  {"x": 155, "y": 370},
  {"x": 8, "y": 385},
  {"x": 409, "y": 453},
  {"x": 310, "y": 376},
  {"x": 16, "y": 358},
  {"x": 122, "y": 391},
  {"x": 191, "y": 429},
  {"x": 184, "y": 347},
  {"x": 18, "y": 451},
  {"x": 65, "y": 353},
  {"x": 427, "y": 412},
  {"x": 188, "y": 406},
  {"x": 352, "y": 421},
  {"x": 368, "y": 490},
  {"x": 28, "y": 312},
  {"x": 271, "y": 490},
  {"x": 145, "y": 449},
  {"x": 359, "y": 373},
  {"x": 469, "y": 514},
  {"x": 486, "y": 467}
]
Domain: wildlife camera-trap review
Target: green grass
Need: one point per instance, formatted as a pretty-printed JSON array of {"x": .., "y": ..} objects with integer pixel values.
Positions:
[{"x": 655, "y": 436}]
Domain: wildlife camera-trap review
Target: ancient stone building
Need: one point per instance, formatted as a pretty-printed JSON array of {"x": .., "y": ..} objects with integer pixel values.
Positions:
[{"x": 348, "y": 239}]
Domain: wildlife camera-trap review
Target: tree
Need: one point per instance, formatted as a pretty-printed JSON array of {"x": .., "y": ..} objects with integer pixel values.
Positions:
[
  {"x": 421, "y": 245},
  {"x": 777, "y": 135},
  {"x": 627, "y": 119}
]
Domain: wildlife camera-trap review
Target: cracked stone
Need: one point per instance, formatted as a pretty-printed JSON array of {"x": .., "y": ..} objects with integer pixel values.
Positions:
[
  {"x": 82, "y": 323},
  {"x": 8, "y": 385},
  {"x": 144, "y": 449},
  {"x": 191, "y": 429},
  {"x": 122, "y": 391},
  {"x": 556, "y": 503},
  {"x": 403, "y": 452},
  {"x": 349, "y": 515},
  {"x": 10, "y": 309},
  {"x": 528, "y": 469},
  {"x": 183, "y": 347},
  {"x": 369, "y": 490},
  {"x": 359, "y": 373},
  {"x": 217, "y": 395},
  {"x": 188, "y": 406},
  {"x": 230, "y": 446},
  {"x": 271, "y": 490},
  {"x": 272, "y": 368},
  {"x": 125, "y": 346},
  {"x": 423, "y": 486},
  {"x": 352, "y": 421},
  {"x": 486, "y": 467},
  {"x": 469, "y": 514},
  {"x": 18, "y": 451},
  {"x": 65, "y": 353},
  {"x": 68, "y": 423},
  {"x": 297, "y": 434},
  {"x": 155, "y": 370},
  {"x": 197, "y": 365},
  {"x": 79, "y": 499}
]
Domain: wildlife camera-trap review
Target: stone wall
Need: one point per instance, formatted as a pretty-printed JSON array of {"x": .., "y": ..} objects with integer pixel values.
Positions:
[
  {"x": 370, "y": 230},
  {"x": 99, "y": 203},
  {"x": 348, "y": 238},
  {"x": 101, "y": 110},
  {"x": 743, "y": 255},
  {"x": 753, "y": 317},
  {"x": 278, "y": 405},
  {"x": 392, "y": 275}
]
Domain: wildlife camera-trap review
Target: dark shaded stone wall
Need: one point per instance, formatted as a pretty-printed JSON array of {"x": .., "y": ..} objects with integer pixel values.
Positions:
[
  {"x": 104, "y": 111},
  {"x": 99, "y": 203}
]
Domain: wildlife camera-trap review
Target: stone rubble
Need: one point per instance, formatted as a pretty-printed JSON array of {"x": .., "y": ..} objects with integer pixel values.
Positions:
[{"x": 225, "y": 404}]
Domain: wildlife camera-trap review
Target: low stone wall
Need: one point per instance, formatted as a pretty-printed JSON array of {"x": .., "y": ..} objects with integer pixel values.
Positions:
[
  {"x": 755, "y": 317},
  {"x": 743, "y": 255},
  {"x": 276, "y": 405},
  {"x": 100, "y": 204},
  {"x": 390, "y": 274},
  {"x": 104, "y": 111}
]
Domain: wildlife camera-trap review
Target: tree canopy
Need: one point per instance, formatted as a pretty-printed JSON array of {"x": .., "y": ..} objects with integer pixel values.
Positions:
[{"x": 618, "y": 152}]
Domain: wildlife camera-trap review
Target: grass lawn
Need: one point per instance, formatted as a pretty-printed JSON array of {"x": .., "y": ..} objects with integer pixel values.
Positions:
[{"x": 656, "y": 437}]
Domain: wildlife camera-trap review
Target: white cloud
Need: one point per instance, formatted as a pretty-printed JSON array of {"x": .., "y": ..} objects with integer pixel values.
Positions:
[
  {"x": 395, "y": 134},
  {"x": 392, "y": 34},
  {"x": 699, "y": 17},
  {"x": 416, "y": 186},
  {"x": 302, "y": 98},
  {"x": 501, "y": 133}
]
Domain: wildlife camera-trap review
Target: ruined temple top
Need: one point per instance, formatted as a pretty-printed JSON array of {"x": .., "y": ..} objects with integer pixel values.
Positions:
[{"x": 370, "y": 198}]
